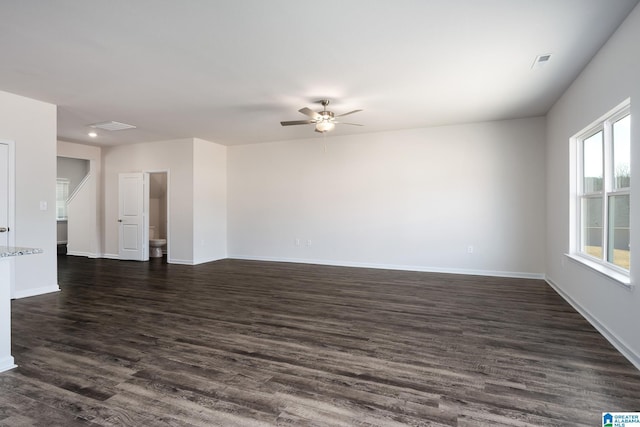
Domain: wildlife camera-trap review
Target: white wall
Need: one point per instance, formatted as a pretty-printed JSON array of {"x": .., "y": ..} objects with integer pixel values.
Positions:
[
  {"x": 32, "y": 125},
  {"x": 413, "y": 199},
  {"x": 154, "y": 215},
  {"x": 610, "y": 78},
  {"x": 210, "y": 201},
  {"x": 174, "y": 156},
  {"x": 61, "y": 232},
  {"x": 83, "y": 237},
  {"x": 78, "y": 151},
  {"x": 72, "y": 169},
  {"x": 85, "y": 209}
]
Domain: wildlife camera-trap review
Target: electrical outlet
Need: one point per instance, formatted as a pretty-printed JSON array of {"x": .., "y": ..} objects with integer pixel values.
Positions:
[
  {"x": 470, "y": 249},
  {"x": 309, "y": 242}
]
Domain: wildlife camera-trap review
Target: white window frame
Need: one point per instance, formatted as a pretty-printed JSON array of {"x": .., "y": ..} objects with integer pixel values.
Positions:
[
  {"x": 604, "y": 124},
  {"x": 62, "y": 182}
]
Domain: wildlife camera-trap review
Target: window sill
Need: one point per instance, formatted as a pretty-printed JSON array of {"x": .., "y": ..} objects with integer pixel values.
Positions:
[{"x": 610, "y": 273}]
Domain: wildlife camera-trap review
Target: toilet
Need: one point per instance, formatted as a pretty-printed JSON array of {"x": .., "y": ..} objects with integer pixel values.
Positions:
[{"x": 155, "y": 245}]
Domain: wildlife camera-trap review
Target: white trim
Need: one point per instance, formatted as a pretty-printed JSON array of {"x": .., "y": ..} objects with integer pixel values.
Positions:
[
  {"x": 180, "y": 261},
  {"x": 11, "y": 210},
  {"x": 65, "y": 188},
  {"x": 79, "y": 186},
  {"x": 468, "y": 272},
  {"x": 7, "y": 363},
  {"x": 609, "y": 335},
  {"x": 36, "y": 291},
  {"x": 206, "y": 260},
  {"x": 603, "y": 124},
  {"x": 84, "y": 254},
  {"x": 603, "y": 269},
  {"x": 11, "y": 238},
  {"x": 167, "y": 246}
]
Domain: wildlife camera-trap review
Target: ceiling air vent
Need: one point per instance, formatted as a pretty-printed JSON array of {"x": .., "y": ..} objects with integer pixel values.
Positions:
[
  {"x": 541, "y": 60},
  {"x": 112, "y": 126}
]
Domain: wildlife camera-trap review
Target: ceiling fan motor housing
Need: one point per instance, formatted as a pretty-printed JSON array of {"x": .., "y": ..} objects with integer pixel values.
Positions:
[{"x": 326, "y": 115}]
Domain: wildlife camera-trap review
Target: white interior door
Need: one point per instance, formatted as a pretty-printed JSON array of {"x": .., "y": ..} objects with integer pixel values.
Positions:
[
  {"x": 4, "y": 194},
  {"x": 6, "y": 268},
  {"x": 133, "y": 219}
]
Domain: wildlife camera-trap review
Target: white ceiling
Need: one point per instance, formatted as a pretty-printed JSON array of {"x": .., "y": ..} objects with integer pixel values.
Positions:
[{"x": 230, "y": 71}]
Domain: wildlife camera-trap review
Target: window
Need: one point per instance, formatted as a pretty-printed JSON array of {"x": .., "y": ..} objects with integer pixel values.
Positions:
[
  {"x": 62, "y": 194},
  {"x": 603, "y": 190}
]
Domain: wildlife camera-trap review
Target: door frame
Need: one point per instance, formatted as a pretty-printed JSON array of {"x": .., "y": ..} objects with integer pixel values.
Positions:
[
  {"x": 168, "y": 173},
  {"x": 95, "y": 173},
  {"x": 11, "y": 205}
]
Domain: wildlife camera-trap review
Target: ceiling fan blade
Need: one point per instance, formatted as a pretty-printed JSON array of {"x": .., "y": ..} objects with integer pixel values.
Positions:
[
  {"x": 309, "y": 112},
  {"x": 350, "y": 112},
  {"x": 297, "y": 122},
  {"x": 352, "y": 124}
]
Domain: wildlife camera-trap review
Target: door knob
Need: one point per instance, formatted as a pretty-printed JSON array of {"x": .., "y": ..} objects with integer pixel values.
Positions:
[
  {"x": 4, "y": 229},
  {"x": 119, "y": 220}
]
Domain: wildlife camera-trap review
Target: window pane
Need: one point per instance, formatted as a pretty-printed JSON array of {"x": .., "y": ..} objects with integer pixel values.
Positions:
[
  {"x": 592, "y": 226},
  {"x": 618, "y": 233},
  {"x": 62, "y": 194},
  {"x": 592, "y": 164},
  {"x": 622, "y": 152}
]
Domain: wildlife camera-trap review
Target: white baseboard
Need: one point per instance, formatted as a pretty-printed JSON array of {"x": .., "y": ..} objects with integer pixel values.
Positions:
[
  {"x": 85, "y": 254},
  {"x": 180, "y": 261},
  {"x": 36, "y": 291},
  {"x": 205, "y": 260},
  {"x": 469, "y": 272},
  {"x": 170, "y": 261},
  {"x": 7, "y": 363},
  {"x": 609, "y": 335}
]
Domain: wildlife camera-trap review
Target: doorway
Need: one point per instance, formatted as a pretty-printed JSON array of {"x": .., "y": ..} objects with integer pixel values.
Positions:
[
  {"x": 143, "y": 199},
  {"x": 159, "y": 209},
  {"x": 72, "y": 175},
  {"x": 81, "y": 165}
]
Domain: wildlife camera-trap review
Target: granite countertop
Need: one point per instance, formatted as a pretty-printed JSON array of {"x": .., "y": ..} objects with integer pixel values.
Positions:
[{"x": 7, "y": 251}]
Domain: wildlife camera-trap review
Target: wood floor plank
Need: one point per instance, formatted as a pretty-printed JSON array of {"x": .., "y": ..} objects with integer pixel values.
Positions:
[{"x": 252, "y": 343}]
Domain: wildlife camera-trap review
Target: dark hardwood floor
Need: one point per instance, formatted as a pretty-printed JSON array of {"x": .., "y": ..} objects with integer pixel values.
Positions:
[{"x": 256, "y": 343}]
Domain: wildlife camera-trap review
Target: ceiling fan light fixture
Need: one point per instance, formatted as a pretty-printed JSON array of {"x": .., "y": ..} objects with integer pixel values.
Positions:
[{"x": 325, "y": 126}]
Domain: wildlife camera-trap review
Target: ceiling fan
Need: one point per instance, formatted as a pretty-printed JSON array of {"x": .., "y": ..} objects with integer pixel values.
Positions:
[{"x": 324, "y": 120}]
